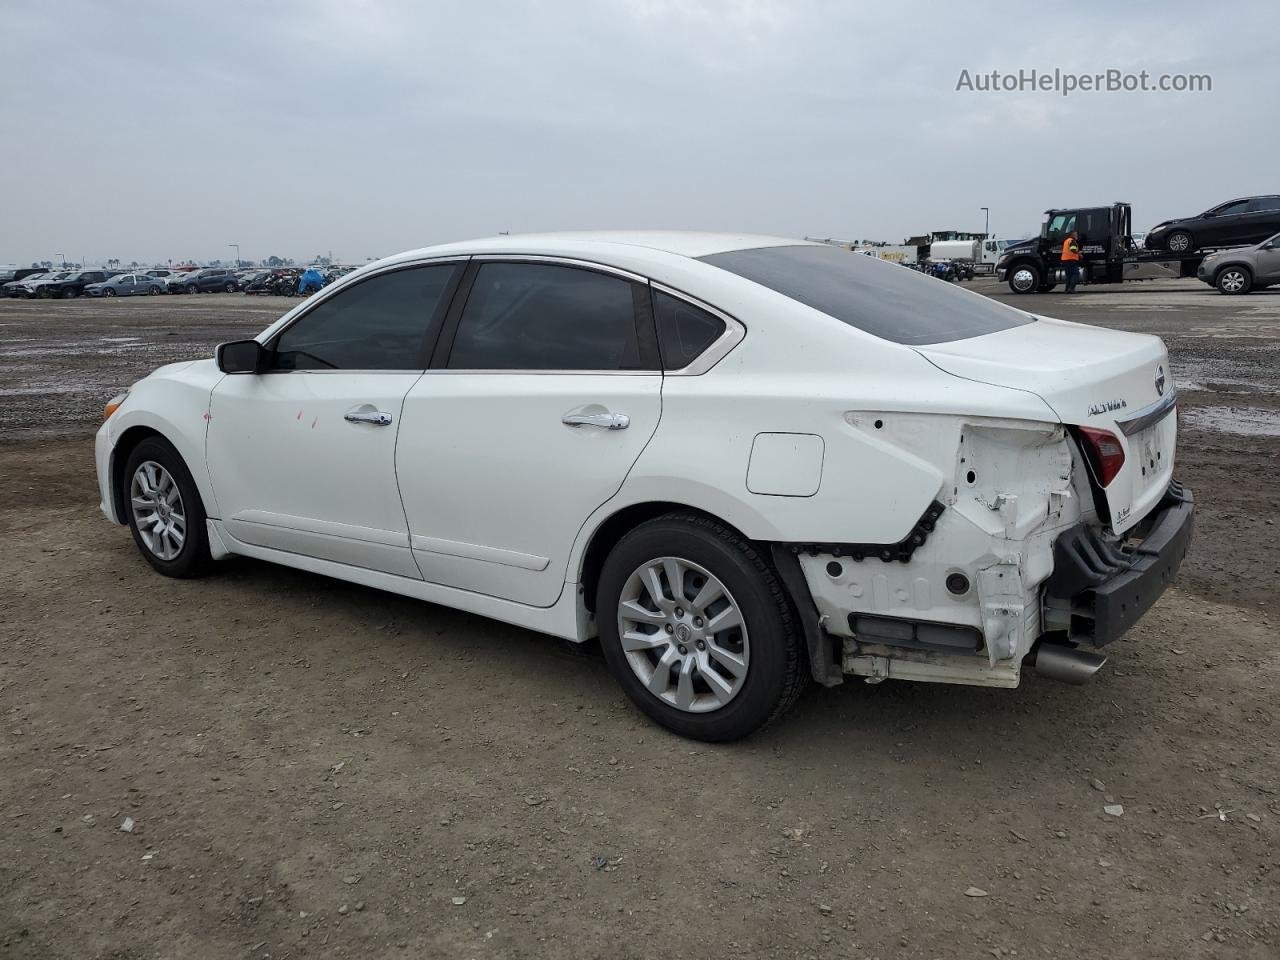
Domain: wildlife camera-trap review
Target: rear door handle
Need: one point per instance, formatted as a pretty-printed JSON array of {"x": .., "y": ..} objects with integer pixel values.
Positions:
[
  {"x": 610, "y": 421},
  {"x": 375, "y": 417}
]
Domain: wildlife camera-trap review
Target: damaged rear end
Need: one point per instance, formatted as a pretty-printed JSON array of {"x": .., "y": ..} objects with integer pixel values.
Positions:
[{"x": 1048, "y": 540}]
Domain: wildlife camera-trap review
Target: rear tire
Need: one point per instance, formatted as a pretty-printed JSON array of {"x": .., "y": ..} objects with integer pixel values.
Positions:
[
  {"x": 70, "y": 293},
  {"x": 168, "y": 527},
  {"x": 727, "y": 683},
  {"x": 1025, "y": 278},
  {"x": 1233, "y": 281}
]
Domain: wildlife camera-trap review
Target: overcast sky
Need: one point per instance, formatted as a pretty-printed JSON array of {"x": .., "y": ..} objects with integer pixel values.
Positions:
[{"x": 133, "y": 130}]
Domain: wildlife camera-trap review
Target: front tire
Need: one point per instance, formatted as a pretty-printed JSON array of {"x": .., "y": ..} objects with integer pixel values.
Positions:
[
  {"x": 697, "y": 629},
  {"x": 166, "y": 515},
  {"x": 108, "y": 292},
  {"x": 1024, "y": 278},
  {"x": 1179, "y": 242},
  {"x": 1233, "y": 281}
]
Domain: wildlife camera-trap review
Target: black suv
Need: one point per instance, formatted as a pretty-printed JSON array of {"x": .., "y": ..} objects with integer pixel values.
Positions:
[
  {"x": 73, "y": 286},
  {"x": 204, "y": 281},
  {"x": 1232, "y": 224}
]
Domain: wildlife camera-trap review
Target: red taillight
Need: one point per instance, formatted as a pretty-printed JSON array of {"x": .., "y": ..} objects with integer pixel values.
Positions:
[{"x": 1105, "y": 451}]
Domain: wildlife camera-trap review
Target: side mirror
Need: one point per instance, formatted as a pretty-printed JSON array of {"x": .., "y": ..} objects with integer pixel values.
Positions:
[
  {"x": 242, "y": 356},
  {"x": 1269, "y": 245}
]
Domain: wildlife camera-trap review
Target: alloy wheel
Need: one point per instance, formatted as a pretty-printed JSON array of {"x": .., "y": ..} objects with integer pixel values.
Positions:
[
  {"x": 1232, "y": 281},
  {"x": 683, "y": 635},
  {"x": 157, "y": 510}
]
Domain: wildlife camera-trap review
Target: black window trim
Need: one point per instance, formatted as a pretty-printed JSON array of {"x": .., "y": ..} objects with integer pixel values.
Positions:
[
  {"x": 646, "y": 330},
  {"x": 433, "y": 330}
]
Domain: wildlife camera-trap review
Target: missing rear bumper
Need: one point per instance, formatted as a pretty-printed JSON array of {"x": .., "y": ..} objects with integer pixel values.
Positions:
[{"x": 1108, "y": 587}]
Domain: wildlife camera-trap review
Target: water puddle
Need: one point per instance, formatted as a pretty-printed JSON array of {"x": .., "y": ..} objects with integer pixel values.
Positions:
[
  {"x": 1223, "y": 385},
  {"x": 1246, "y": 421},
  {"x": 35, "y": 391}
]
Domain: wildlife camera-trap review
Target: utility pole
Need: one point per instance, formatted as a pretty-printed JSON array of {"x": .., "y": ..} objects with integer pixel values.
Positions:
[
  {"x": 237, "y": 246},
  {"x": 987, "y": 227}
]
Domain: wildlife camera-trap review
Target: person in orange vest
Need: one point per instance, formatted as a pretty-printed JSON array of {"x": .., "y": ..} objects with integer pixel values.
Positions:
[{"x": 1071, "y": 260}]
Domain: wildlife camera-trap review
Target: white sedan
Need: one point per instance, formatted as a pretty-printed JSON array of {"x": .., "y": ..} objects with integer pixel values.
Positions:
[{"x": 741, "y": 462}]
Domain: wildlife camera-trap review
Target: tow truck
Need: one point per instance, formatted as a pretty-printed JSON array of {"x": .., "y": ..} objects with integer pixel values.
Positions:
[{"x": 1108, "y": 253}]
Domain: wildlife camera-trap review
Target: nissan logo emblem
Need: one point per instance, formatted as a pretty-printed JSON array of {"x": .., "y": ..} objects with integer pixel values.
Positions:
[{"x": 1160, "y": 380}]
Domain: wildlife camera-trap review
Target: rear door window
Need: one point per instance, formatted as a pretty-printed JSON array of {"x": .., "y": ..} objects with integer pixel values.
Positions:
[
  {"x": 539, "y": 316},
  {"x": 885, "y": 299}
]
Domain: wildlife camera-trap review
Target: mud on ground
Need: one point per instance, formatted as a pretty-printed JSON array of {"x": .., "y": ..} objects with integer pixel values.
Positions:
[{"x": 315, "y": 769}]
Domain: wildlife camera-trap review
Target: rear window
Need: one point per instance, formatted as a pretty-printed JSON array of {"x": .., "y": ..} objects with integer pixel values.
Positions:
[{"x": 885, "y": 299}]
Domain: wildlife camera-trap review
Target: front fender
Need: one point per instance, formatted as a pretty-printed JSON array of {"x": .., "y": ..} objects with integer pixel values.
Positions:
[{"x": 173, "y": 402}]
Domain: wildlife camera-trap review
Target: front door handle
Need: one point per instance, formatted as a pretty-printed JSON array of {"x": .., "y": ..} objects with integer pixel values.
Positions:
[
  {"x": 610, "y": 421},
  {"x": 375, "y": 417}
]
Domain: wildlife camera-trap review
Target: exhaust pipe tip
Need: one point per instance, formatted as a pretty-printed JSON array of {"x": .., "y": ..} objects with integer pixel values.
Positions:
[{"x": 1067, "y": 664}]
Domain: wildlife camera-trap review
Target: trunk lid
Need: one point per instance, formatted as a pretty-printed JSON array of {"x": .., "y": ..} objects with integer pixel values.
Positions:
[{"x": 1090, "y": 377}]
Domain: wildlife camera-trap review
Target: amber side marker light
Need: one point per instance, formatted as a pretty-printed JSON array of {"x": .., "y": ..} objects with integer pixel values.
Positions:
[{"x": 113, "y": 405}]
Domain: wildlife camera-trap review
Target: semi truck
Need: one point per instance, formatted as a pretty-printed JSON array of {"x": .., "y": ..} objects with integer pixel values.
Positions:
[
  {"x": 1108, "y": 251},
  {"x": 972, "y": 252}
]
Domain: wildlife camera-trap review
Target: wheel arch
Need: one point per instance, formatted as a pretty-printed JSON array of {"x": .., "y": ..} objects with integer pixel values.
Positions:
[
  {"x": 124, "y": 446},
  {"x": 819, "y": 648},
  {"x": 609, "y": 531},
  {"x": 1239, "y": 264},
  {"x": 137, "y": 425}
]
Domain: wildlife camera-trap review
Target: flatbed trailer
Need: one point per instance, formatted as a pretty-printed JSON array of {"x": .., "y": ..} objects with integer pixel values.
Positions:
[{"x": 1108, "y": 253}]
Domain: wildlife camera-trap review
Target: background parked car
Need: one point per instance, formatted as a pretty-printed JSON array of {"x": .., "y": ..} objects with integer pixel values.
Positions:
[
  {"x": 73, "y": 285},
  {"x": 277, "y": 283},
  {"x": 1239, "y": 271},
  {"x": 205, "y": 281},
  {"x": 30, "y": 287},
  {"x": 10, "y": 288},
  {"x": 18, "y": 274},
  {"x": 126, "y": 285},
  {"x": 1248, "y": 220},
  {"x": 249, "y": 278}
]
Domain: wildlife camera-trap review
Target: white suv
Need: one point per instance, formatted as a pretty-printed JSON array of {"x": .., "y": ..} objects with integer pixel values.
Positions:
[{"x": 739, "y": 461}]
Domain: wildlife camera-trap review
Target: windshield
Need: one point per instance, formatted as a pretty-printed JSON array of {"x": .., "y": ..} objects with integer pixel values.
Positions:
[{"x": 884, "y": 299}]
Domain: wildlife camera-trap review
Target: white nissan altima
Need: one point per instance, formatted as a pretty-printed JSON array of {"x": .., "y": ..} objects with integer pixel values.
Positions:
[{"x": 742, "y": 462}]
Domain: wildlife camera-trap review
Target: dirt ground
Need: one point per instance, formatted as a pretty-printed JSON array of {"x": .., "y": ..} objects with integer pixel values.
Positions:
[{"x": 313, "y": 769}]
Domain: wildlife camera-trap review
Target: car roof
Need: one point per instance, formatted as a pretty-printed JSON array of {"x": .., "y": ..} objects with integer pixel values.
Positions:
[{"x": 691, "y": 244}]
